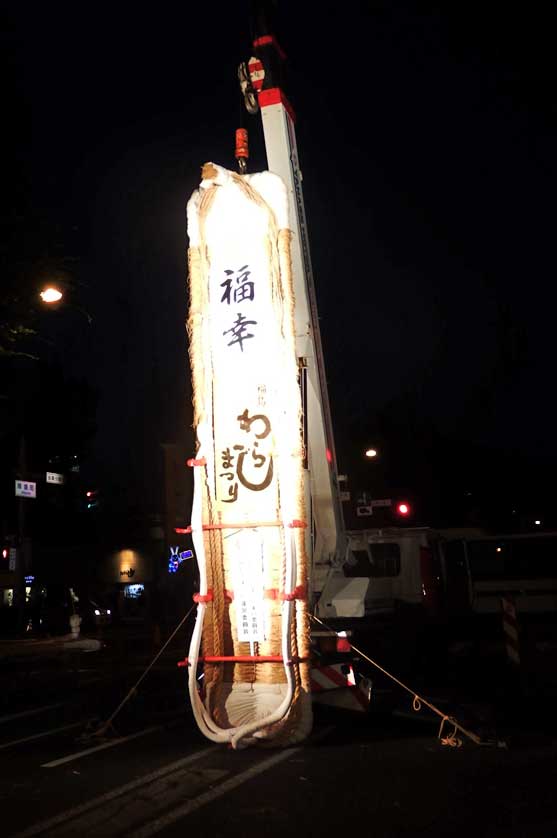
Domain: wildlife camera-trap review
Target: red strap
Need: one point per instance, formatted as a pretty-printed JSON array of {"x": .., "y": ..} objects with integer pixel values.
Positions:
[
  {"x": 239, "y": 526},
  {"x": 192, "y": 462},
  {"x": 244, "y": 659},
  {"x": 270, "y": 593},
  {"x": 208, "y": 597},
  {"x": 298, "y": 593}
]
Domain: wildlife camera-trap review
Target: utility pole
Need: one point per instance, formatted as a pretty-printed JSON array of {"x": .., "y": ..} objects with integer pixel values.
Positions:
[{"x": 20, "y": 566}]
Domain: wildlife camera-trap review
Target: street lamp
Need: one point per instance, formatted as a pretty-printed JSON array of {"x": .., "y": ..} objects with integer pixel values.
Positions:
[
  {"x": 51, "y": 294},
  {"x": 371, "y": 453}
]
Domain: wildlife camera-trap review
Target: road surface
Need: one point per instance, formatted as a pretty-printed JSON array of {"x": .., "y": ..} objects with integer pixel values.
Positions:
[{"x": 153, "y": 774}]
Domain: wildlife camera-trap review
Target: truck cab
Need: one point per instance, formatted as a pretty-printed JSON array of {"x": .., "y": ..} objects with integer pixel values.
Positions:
[
  {"x": 423, "y": 590},
  {"x": 398, "y": 593}
]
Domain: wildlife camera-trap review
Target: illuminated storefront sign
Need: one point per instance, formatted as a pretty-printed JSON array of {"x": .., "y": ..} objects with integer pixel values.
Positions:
[
  {"x": 134, "y": 591},
  {"x": 177, "y": 556}
]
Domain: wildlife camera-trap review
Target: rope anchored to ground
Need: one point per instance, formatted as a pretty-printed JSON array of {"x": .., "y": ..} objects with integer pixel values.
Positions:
[
  {"x": 107, "y": 726},
  {"x": 451, "y": 740}
]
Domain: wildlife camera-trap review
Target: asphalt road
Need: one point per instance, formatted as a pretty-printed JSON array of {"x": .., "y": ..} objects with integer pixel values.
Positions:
[{"x": 155, "y": 775}]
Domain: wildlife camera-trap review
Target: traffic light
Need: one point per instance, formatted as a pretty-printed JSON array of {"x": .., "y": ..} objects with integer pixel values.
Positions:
[
  {"x": 403, "y": 509},
  {"x": 92, "y": 498}
]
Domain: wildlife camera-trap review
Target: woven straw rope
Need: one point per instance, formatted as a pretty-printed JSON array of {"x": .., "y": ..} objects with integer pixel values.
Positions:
[{"x": 220, "y": 635}]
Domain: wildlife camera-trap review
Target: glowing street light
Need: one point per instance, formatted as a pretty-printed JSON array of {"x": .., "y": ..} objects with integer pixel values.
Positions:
[
  {"x": 51, "y": 294},
  {"x": 537, "y": 523},
  {"x": 371, "y": 453}
]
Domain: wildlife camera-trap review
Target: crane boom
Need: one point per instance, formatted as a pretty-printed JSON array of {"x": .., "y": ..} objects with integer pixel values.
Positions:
[{"x": 322, "y": 488}]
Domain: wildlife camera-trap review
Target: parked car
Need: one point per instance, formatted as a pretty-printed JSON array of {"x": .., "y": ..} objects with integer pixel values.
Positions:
[{"x": 93, "y": 614}]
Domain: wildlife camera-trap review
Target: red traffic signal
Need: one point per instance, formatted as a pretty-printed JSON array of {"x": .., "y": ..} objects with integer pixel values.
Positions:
[
  {"x": 403, "y": 509},
  {"x": 92, "y": 496}
]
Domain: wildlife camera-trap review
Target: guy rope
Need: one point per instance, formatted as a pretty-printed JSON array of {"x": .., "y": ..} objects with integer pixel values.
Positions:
[{"x": 451, "y": 739}]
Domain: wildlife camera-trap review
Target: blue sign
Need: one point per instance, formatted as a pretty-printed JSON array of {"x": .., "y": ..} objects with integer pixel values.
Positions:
[{"x": 177, "y": 557}]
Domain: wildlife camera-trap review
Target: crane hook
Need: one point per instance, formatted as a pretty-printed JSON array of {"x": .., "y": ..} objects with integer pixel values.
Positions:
[{"x": 248, "y": 92}]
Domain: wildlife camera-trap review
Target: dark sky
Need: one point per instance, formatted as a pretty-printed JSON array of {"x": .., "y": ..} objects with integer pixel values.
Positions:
[{"x": 427, "y": 141}]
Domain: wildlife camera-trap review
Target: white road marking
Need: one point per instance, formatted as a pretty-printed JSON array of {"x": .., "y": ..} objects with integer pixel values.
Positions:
[
  {"x": 33, "y": 712},
  {"x": 112, "y": 744},
  {"x": 169, "y": 818},
  {"x": 95, "y": 802},
  {"x": 155, "y": 826},
  {"x": 40, "y": 735},
  {"x": 130, "y": 811}
]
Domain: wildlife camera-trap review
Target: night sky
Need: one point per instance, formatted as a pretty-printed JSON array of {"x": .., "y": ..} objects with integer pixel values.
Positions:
[{"x": 427, "y": 143}]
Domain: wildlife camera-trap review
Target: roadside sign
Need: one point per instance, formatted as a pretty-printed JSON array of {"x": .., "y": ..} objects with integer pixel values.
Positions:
[
  {"x": 382, "y": 502},
  {"x": 53, "y": 477},
  {"x": 364, "y": 511},
  {"x": 12, "y": 558},
  {"x": 25, "y": 489},
  {"x": 510, "y": 629}
]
